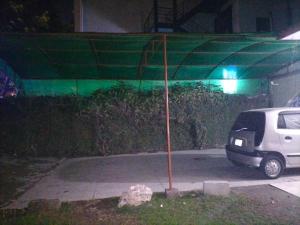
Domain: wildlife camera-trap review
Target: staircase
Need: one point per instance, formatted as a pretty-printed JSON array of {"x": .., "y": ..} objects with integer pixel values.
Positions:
[{"x": 180, "y": 17}]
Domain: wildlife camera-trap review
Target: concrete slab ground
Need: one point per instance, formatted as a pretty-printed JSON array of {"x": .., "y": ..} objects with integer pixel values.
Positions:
[
  {"x": 290, "y": 187},
  {"x": 102, "y": 177}
]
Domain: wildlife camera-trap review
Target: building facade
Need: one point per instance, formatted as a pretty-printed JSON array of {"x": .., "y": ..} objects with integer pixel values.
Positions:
[
  {"x": 208, "y": 16},
  {"x": 278, "y": 17}
]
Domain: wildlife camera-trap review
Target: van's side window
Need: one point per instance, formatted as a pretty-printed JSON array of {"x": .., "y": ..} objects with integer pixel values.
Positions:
[
  {"x": 289, "y": 121},
  {"x": 281, "y": 122}
]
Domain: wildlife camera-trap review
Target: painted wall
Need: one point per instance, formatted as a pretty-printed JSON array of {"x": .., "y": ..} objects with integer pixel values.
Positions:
[
  {"x": 286, "y": 86},
  {"x": 201, "y": 22},
  {"x": 249, "y": 10},
  {"x": 117, "y": 16},
  {"x": 114, "y": 15},
  {"x": 129, "y": 16}
]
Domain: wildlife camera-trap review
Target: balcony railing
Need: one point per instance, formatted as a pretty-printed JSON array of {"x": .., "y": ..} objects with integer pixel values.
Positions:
[
  {"x": 174, "y": 17},
  {"x": 164, "y": 17}
]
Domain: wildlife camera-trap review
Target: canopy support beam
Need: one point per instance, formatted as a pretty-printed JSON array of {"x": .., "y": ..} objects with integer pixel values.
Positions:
[
  {"x": 188, "y": 55},
  {"x": 274, "y": 54},
  {"x": 94, "y": 51},
  {"x": 55, "y": 65},
  {"x": 231, "y": 55}
]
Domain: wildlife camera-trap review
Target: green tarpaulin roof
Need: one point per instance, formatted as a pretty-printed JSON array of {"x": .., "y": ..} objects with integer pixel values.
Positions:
[
  {"x": 85, "y": 56},
  {"x": 98, "y": 56}
]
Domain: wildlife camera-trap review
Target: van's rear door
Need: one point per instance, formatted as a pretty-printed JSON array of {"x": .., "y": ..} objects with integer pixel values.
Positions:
[{"x": 251, "y": 125}]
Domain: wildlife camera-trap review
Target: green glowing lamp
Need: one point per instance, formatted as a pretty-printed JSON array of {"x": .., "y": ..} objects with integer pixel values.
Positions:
[{"x": 229, "y": 82}]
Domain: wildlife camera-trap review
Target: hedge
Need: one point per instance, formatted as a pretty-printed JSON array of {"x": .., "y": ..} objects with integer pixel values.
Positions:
[{"x": 119, "y": 120}]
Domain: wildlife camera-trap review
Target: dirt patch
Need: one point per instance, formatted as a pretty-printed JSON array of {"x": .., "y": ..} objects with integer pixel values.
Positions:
[
  {"x": 274, "y": 202},
  {"x": 18, "y": 175},
  {"x": 101, "y": 212}
]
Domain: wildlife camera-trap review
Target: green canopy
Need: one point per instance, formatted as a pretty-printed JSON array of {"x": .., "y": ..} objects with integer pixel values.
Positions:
[{"x": 83, "y": 62}]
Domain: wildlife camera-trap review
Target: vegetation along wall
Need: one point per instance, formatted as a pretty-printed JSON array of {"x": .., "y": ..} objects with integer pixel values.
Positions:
[{"x": 119, "y": 120}]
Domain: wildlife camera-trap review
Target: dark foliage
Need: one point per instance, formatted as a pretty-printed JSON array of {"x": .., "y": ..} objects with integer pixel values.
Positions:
[
  {"x": 36, "y": 16},
  {"x": 120, "y": 120}
]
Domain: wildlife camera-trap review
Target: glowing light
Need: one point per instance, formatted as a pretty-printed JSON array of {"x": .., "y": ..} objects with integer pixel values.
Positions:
[
  {"x": 230, "y": 73},
  {"x": 294, "y": 36},
  {"x": 229, "y": 86},
  {"x": 229, "y": 83}
]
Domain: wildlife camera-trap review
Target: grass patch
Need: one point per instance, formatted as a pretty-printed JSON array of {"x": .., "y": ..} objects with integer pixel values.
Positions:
[
  {"x": 191, "y": 209},
  {"x": 199, "y": 209}
]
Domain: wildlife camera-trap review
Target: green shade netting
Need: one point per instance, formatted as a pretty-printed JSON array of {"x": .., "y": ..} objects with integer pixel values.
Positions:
[{"x": 67, "y": 62}]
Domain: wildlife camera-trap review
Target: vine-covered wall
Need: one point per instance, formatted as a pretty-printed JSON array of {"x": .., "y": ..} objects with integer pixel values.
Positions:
[{"x": 119, "y": 120}]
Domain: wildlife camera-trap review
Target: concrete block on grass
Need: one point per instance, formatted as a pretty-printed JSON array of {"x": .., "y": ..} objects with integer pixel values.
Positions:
[
  {"x": 217, "y": 188},
  {"x": 172, "y": 193},
  {"x": 136, "y": 195}
]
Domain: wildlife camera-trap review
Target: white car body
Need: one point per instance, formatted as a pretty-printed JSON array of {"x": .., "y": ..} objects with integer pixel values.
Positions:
[{"x": 279, "y": 137}]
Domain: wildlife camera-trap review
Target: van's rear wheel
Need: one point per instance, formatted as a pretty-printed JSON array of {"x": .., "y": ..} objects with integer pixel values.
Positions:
[{"x": 272, "y": 166}]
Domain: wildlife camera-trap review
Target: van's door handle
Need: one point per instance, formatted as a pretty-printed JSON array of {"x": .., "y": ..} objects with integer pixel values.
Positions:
[{"x": 288, "y": 138}]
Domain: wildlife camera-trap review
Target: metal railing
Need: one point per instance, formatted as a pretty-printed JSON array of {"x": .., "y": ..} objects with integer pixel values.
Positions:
[
  {"x": 165, "y": 15},
  {"x": 149, "y": 22},
  {"x": 186, "y": 6}
]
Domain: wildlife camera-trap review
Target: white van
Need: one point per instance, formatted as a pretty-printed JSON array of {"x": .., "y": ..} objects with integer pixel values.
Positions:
[{"x": 266, "y": 138}]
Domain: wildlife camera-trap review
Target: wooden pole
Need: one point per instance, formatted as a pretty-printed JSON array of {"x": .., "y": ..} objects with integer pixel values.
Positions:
[{"x": 168, "y": 139}]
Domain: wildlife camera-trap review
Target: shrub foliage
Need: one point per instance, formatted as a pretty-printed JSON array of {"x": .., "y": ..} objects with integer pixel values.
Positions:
[{"x": 119, "y": 120}]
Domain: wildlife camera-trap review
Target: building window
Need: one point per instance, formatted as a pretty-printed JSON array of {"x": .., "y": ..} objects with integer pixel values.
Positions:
[{"x": 263, "y": 24}]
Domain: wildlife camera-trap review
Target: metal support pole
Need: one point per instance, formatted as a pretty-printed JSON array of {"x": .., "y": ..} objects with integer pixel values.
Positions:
[{"x": 168, "y": 139}]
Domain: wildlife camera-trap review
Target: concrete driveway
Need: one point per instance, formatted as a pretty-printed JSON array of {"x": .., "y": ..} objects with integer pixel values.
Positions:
[{"x": 101, "y": 177}]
